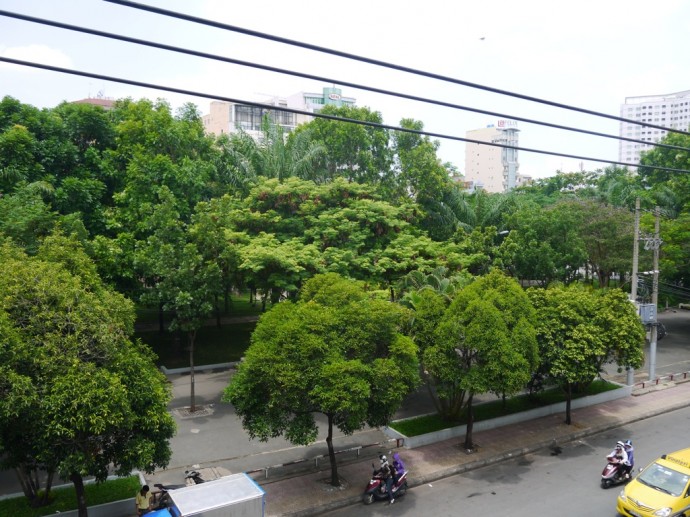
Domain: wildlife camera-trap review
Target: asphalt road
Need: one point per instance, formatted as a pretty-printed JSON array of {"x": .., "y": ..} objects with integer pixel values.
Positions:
[{"x": 565, "y": 484}]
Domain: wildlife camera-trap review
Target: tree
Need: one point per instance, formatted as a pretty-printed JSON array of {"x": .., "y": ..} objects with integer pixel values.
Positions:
[
  {"x": 83, "y": 397},
  {"x": 355, "y": 152},
  {"x": 545, "y": 244},
  {"x": 180, "y": 279},
  {"x": 579, "y": 330},
  {"x": 25, "y": 217},
  {"x": 336, "y": 351},
  {"x": 485, "y": 342}
]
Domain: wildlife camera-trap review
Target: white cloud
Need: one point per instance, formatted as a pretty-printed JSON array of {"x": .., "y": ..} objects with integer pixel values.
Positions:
[{"x": 38, "y": 54}]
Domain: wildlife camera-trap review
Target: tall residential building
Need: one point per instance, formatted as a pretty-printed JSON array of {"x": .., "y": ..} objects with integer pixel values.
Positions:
[
  {"x": 228, "y": 117},
  {"x": 493, "y": 168},
  {"x": 671, "y": 110}
]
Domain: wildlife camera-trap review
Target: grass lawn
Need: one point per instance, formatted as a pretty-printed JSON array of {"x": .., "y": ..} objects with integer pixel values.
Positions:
[
  {"x": 64, "y": 499},
  {"x": 213, "y": 345},
  {"x": 494, "y": 409}
]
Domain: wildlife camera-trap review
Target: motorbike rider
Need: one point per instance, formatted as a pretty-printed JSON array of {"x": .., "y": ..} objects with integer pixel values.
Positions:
[
  {"x": 620, "y": 457},
  {"x": 630, "y": 451},
  {"x": 389, "y": 474}
]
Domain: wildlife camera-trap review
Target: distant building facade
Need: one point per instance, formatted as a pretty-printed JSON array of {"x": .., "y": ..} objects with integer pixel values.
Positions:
[
  {"x": 493, "y": 168},
  {"x": 229, "y": 117},
  {"x": 104, "y": 102},
  {"x": 670, "y": 110}
]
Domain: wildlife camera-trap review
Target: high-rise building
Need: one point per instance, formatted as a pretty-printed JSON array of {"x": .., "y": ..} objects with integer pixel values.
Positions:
[
  {"x": 228, "y": 117},
  {"x": 671, "y": 110},
  {"x": 489, "y": 167}
]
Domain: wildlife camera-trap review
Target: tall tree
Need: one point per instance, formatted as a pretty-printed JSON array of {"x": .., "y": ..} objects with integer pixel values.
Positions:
[
  {"x": 355, "y": 152},
  {"x": 180, "y": 279},
  {"x": 337, "y": 351},
  {"x": 85, "y": 397},
  {"x": 485, "y": 342},
  {"x": 579, "y": 330}
]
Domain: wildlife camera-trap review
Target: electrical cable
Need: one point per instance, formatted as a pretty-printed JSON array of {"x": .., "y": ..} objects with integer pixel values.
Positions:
[
  {"x": 317, "y": 114},
  {"x": 384, "y": 64},
  {"x": 294, "y": 73}
]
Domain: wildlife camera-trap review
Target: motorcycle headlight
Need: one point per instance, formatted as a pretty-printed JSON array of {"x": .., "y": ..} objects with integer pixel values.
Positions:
[
  {"x": 662, "y": 512},
  {"x": 622, "y": 496}
]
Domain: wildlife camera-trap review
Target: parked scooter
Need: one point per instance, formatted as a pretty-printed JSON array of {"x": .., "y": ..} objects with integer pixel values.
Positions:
[
  {"x": 162, "y": 498},
  {"x": 376, "y": 490}
]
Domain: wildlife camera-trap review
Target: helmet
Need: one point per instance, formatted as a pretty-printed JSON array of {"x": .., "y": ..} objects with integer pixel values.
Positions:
[
  {"x": 628, "y": 443},
  {"x": 383, "y": 459},
  {"x": 619, "y": 444}
]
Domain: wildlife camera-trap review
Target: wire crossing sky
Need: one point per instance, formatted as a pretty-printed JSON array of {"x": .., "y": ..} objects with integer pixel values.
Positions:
[{"x": 582, "y": 56}]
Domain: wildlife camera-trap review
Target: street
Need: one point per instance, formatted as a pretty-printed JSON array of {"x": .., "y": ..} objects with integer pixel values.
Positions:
[{"x": 565, "y": 484}]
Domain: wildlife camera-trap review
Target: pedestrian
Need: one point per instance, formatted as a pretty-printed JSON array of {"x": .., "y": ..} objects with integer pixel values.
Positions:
[{"x": 144, "y": 500}]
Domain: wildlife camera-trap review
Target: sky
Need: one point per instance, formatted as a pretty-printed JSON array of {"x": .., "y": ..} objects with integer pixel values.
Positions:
[{"x": 589, "y": 54}]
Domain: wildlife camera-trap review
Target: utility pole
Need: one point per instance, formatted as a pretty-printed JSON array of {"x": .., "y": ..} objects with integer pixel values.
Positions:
[
  {"x": 633, "y": 286},
  {"x": 655, "y": 297}
]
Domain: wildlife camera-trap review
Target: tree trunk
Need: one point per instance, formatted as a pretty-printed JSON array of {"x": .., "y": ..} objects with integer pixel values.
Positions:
[
  {"x": 470, "y": 424},
  {"x": 45, "y": 499},
  {"x": 79, "y": 491},
  {"x": 335, "y": 480},
  {"x": 191, "y": 338},
  {"x": 217, "y": 306},
  {"x": 161, "y": 322},
  {"x": 568, "y": 398},
  {"x": 28, "y": 484}
]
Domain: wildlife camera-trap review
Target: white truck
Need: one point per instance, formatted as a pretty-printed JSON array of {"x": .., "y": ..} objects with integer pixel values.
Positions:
[{"x": 236, "y": 495}]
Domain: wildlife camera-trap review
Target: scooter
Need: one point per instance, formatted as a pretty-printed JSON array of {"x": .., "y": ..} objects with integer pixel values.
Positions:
[
  {"x": 162, "y": 498},
  {"x": 611, "y": 475},
  {"x": 376, "y": 490}
]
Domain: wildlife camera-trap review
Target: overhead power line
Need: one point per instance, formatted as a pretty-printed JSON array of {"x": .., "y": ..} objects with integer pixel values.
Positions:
[
  {"x": 312, "y": 114},
  {"x": 385, "y": 64},
  {"x": 294, "y": 73}
]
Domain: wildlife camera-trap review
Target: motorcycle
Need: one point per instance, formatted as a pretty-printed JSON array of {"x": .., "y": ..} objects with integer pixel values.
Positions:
[
  {"x": 376, "y": 489},
  {"x": 161, "y": 498},
  {"x": 612, "y": 475}
]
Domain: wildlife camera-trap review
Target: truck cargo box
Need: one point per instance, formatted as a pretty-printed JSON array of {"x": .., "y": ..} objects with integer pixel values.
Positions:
[{"x": 236, "y": 495}]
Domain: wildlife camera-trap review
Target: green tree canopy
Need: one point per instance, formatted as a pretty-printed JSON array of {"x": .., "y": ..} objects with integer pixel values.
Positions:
[
  {"x": 485, "y": 343},
  {"x": 336, "y": 351},
  {"x": 82, "y": 396},
  {"x": 579, "y": 330}
]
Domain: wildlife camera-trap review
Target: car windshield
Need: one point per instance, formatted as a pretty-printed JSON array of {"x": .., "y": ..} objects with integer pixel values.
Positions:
[{"x": 664, "y": 479}]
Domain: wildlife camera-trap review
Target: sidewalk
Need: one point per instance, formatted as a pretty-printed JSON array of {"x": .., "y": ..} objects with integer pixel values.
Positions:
[{"x": 310, "y": 494}]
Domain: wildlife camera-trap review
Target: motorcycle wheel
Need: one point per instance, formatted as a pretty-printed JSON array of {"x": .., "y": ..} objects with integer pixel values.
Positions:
[
  {"x": 606, "y": 483},
  {"x": 368, "y": 498}
]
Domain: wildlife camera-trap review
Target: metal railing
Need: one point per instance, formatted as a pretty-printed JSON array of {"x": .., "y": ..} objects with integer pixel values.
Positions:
[
  {"x": 392, "y": 443},
  {"x": 671, "y": 377}
]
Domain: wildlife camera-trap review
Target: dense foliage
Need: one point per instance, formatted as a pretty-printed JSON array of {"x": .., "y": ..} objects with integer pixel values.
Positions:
[
  {"x": 78, "y": 398},
  {"x": 139, "y": 204},
  {"x": 337, "y": 351}
]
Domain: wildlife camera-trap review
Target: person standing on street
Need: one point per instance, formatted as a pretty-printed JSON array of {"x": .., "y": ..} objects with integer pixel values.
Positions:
[{"x": 144, "y": 500}]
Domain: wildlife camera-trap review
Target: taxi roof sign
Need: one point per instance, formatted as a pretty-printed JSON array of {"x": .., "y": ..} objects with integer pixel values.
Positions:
[{"x": 681, "y": 458}]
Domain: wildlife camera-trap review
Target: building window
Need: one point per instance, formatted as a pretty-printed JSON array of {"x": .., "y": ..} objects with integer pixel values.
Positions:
[{"x": 248, "y": 117}]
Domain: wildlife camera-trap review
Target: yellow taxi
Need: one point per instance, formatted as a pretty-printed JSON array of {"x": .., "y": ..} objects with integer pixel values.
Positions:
[{"x": 662, "y": 489}]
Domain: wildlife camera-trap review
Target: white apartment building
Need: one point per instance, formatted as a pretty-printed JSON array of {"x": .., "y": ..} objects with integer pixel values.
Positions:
[
  {"x": 493, "y": 168},
  {"x": 671, "y": 110},
  {"x": 228, "y": 117}
]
